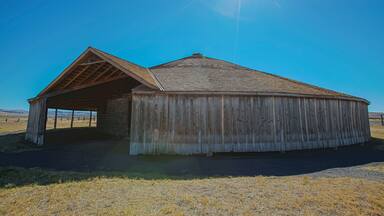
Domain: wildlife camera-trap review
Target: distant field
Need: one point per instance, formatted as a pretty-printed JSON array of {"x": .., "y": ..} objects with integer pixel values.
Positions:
[{"x": 14, "y": 123}]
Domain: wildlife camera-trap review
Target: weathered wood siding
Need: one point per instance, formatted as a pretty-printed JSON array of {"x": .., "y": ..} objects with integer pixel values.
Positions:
[
  {"x": 36, "y": 122},
  {"x": 193, "y": 124}
]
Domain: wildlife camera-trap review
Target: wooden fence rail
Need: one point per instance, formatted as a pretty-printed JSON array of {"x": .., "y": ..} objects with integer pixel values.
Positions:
[{"x": 377, "y": 120}]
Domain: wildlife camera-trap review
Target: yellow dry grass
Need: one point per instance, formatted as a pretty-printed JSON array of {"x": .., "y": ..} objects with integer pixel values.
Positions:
[
  {"x": 16, "y": 124},
  {"x": 377, "y": 131},
  {"x": 298, "y": 195},
  {"x": 12, "y": 124},
  {"x": 376, "y": 168},
  {"x": 66, "y": 123}
]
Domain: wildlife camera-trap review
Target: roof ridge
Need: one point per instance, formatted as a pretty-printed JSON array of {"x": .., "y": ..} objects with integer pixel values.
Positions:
[
  {"x": 229, "y": 65},
  {"x": 172, "y": 61},
  {"x": 105, "y": 53},
  {"x": 108, "y": 56},
  {"x": 64, "y": 72}
]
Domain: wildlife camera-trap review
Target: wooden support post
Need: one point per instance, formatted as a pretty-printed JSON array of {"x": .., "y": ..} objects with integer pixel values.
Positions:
[
  {"x": 382, "y": 119},
  {"x": 45, "y": 122},
  {"x": 90, "y": 118},
  {"x": 73, "y": 113},
  {"x": 55, "y": 121}
]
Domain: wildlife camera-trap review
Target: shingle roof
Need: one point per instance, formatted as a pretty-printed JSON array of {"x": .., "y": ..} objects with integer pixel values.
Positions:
[
  {"x": 199, "y": 73},
  {"x": 142, "y": 73}
]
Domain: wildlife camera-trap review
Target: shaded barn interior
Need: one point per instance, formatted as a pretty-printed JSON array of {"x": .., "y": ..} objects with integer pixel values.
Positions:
[
  {"x": 110, "y": 100},
  {"x": 90, "y": 84}
]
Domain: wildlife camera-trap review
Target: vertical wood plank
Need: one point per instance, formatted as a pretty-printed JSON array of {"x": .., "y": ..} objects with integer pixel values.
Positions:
[{"x": 188, "y": 124}]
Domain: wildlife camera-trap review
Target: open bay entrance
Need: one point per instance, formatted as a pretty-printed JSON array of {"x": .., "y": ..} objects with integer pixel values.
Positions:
[{"x": 94, "y": 113}]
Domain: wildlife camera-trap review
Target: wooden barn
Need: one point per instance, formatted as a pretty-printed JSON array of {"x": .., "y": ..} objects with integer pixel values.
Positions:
[{"x": 200, "y": 105}]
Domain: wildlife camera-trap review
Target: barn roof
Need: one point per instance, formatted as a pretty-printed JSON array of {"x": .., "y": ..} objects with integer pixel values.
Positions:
[
  {"x": 192, "y": 74},
  {"x": 198, "y": 73},
  {"x": 142, "y": 73},
  {"x": 94, "y": 64}
]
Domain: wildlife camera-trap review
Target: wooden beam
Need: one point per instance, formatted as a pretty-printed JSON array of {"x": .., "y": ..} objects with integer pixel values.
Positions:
[
  {"x": 132, "y": 67},
  {"x": 107, "y": 58},
  {"x": 70, "y": 106},
  {"x": 111, "y": 74},
  {"x": 91, "y": 63},
  {"x": 92, "y": 73},
  {"x": 75, "y": 77},
  {"x": 90, "y": 118},
  {"x": 55, "y": 122},
  {"x": 73, "y": 113},
  {"x": 55, "y": 93},
  {"x": 65, "y": 72},
  {"x": 45, "y": 123},
  {"x": 102, "y": 74}
]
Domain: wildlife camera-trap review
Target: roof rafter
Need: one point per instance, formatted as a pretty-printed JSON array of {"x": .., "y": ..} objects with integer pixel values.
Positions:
[
  {"x": 137, "y": 72},
  {"x": 102, "y": 73},
  {"x": 95, "y": 62},
  {"x": 112, "y": 74},
  {"x": 77, "y": 75},
  {"x": 95, "y": 71}
]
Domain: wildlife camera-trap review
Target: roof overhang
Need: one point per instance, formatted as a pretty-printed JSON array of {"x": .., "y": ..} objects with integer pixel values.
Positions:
[
  {"x": 139, "y": 73},
  {"x": 145, "y": 90}
]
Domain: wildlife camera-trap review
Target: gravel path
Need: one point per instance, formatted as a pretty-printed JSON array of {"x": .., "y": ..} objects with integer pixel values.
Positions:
[
  {"x": 353, "y": 172},
  {"x": 113, "y": 155}
]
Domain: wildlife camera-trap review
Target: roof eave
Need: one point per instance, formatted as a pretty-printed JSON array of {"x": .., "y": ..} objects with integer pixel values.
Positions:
[
  {"x": 107, "y": 59},
  {"x": 250, "y": 93},
  {"x": 129, "y": 73}
]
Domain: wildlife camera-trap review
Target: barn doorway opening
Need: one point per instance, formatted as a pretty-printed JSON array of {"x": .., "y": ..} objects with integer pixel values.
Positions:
[
  {"x": 95, "y": 81},
  {"x": 61, "y": 119},
  {"x": 100, "y": 112},
  {"x": 70, "y": 125}
]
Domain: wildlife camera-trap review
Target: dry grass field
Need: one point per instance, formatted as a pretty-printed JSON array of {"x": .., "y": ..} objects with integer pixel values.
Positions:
[
  {"x": 377, "y": 131},
  {"x": 16, "y": 124},
  {"x": 12, "y": 124},
  {"x": 43, "y": 192},
  {"x": 259, "y": 195}
]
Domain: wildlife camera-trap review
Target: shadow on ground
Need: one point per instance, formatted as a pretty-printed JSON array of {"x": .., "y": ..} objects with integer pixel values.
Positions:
[{"x": 107, "y": 157}]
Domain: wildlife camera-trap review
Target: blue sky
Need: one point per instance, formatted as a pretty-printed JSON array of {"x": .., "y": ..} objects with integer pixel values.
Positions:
[{"x": 334, "y": 44}]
